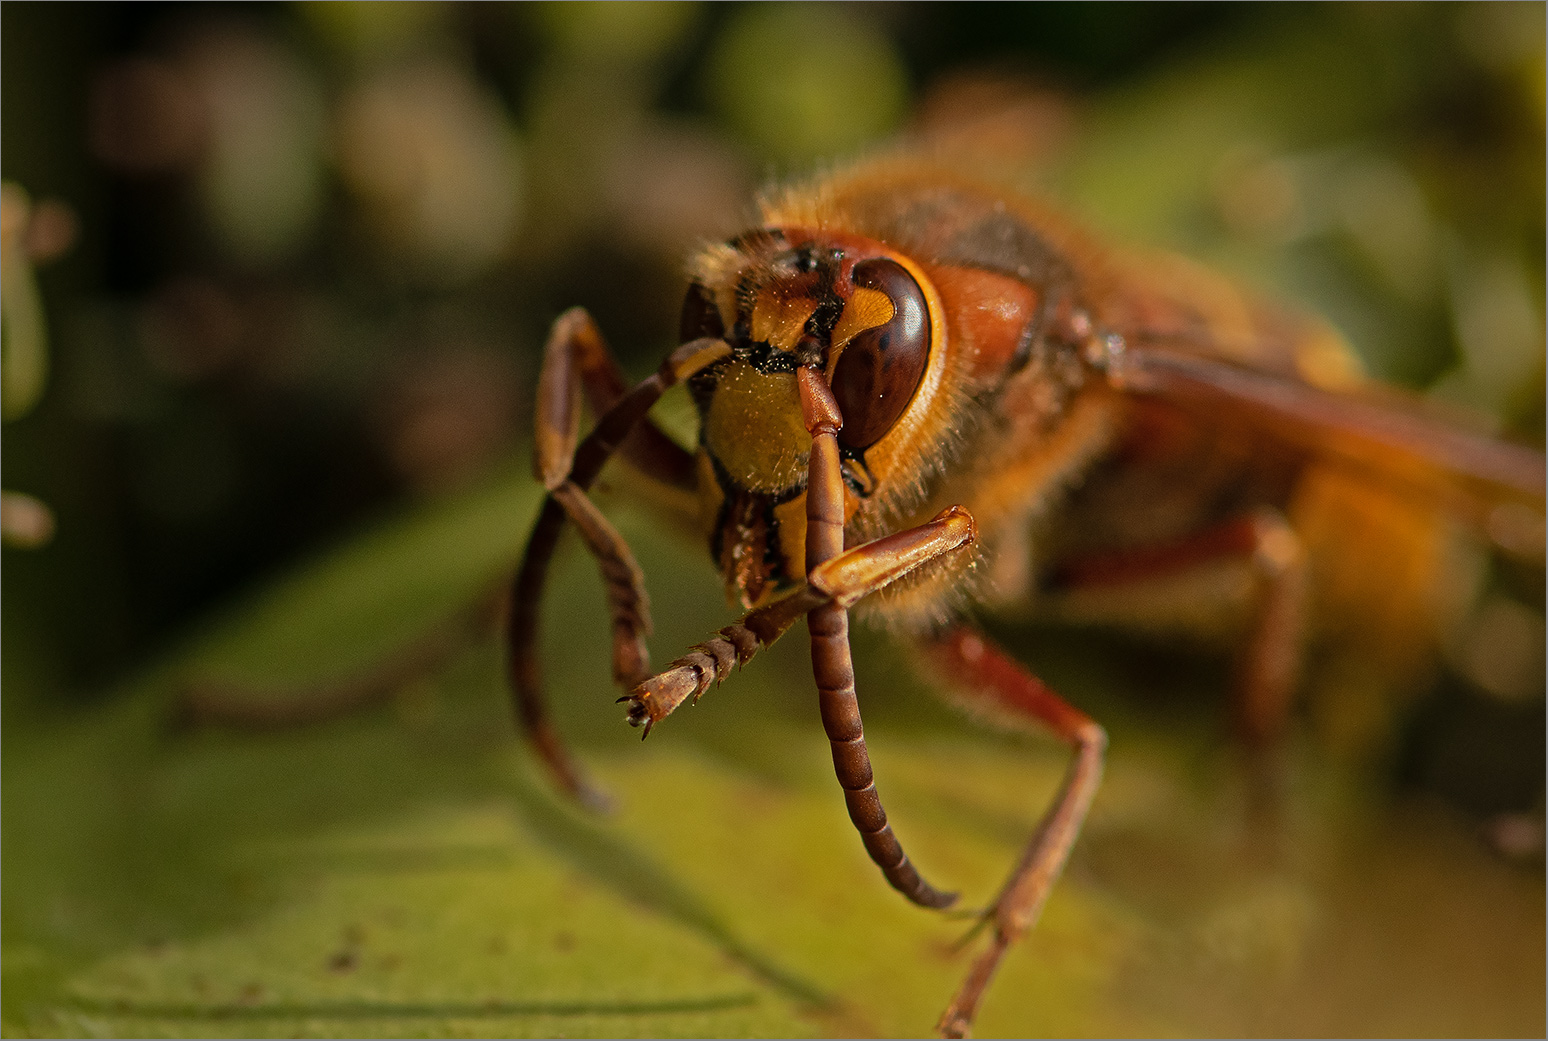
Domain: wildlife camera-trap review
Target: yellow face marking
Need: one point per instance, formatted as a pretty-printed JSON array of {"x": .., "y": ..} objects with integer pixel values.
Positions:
[
  {"x": 778, "y": 319},
  {"x": 754, "y": 428},
  {"x": 866, "y": 309}
]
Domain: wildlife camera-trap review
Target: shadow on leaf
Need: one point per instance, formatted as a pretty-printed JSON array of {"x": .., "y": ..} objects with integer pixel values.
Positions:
[{"x": 639, "y": 880}]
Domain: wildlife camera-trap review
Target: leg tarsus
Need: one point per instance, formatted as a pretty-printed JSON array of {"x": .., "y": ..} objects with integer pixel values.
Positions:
[
  {"x": 575, "y": 359},
  {"x": 976, "y": 668},
  {"x": 843, "y": 580}
]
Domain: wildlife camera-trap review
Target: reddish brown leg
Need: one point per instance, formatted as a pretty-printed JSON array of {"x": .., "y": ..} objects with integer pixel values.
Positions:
[
  {"x": 832, "y": 666},
  {"x": 576, "y": 359},
  {"x": 1270, "y": 661},
  {"x": 843, "y": 580},
  {"x": 982, "y": 672},
  {"x": 576, "y": 353}
]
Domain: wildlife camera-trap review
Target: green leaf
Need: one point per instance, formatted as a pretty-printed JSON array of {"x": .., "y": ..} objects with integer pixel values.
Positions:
[{"x": 406, "y": 871}]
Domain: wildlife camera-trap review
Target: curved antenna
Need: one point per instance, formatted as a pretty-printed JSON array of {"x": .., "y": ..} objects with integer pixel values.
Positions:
[{"x": 832, "y": 666}]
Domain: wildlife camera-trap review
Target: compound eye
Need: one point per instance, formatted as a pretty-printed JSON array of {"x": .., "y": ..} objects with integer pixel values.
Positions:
[
  {"x": 881, "y": 367},
  {"x": 700, "y": 315}
]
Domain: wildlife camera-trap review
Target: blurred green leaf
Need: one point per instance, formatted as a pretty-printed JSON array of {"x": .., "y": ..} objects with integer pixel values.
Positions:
[
  {"x": 375, "y": 28},
  {"x": 802, "y": 82},
  {"x": 615, "y": 32}
]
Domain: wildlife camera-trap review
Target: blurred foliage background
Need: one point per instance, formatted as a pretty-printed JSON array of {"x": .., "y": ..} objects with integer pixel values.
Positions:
[{"x": 274, "y": 271}]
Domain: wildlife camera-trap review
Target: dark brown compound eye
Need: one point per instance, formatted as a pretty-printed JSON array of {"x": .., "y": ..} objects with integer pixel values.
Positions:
[
  {"x": 700, "y": 315},
  {"x": 881, "y": 368}
]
